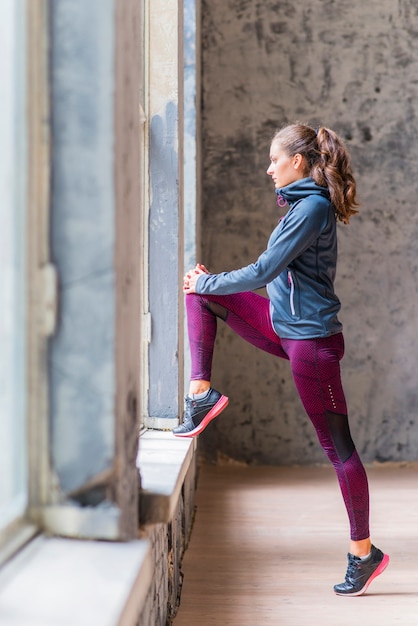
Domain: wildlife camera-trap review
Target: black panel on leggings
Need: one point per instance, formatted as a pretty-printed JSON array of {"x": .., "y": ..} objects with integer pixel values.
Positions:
[{"x": 340, "y": 432}]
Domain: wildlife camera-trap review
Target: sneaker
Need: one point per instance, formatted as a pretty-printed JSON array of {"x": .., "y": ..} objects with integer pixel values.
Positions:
[
  {"x": 198, "y": 413},
  {"x": 361, "y": 573}
]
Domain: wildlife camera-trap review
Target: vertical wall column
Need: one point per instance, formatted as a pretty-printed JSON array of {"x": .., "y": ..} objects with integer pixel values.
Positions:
[
  {"x": 191, "y": 142},
  {"x": 96, "y": 239},
  {"x": 166, "y": 211},
  {"x": 128, "y": 256},
  {"x": 81, "y": 355}
]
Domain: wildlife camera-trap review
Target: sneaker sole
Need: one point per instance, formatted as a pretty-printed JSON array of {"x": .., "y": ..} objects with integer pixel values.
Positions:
[
  {"x": 214, "y": 412},
  {"x": 379, "y": 570}
]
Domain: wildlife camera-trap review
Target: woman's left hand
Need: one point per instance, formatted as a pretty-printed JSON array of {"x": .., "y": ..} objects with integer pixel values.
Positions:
[{"x": 190, "y": 278}]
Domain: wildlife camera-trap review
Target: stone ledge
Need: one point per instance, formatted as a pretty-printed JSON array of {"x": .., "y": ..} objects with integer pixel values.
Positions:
[
  {"x": 163, "y": 461},
  {"x": 54, "y": 581},
  {"x": 63, "y": 582}
]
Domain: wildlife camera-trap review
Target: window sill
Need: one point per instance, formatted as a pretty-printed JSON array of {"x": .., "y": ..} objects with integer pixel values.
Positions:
[
  {"x": 62, "y": 582},
  {"x": 163, "y": 462},
  {"x": 17, "y": 535}
]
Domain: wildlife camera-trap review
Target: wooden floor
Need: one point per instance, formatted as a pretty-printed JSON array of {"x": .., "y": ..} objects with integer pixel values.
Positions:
[{"x": 269, "y": 543}]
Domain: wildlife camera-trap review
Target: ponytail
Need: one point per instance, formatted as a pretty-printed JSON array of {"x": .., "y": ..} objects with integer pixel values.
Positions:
[{"x": 328, "y": 163}]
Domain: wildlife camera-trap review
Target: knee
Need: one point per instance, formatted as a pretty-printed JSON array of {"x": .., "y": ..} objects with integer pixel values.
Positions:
[{"x": 339, "y": 429}]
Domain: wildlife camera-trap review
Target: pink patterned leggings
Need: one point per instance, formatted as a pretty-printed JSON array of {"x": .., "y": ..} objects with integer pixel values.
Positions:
[{"x": 315, "y": 366}]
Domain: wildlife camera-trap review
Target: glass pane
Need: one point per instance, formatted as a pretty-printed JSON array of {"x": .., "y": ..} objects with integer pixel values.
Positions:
[{"x": 13, "y": 450}]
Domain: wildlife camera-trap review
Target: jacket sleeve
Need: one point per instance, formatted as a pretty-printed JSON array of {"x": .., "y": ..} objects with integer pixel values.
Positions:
[{"x": 299, "y": 229}]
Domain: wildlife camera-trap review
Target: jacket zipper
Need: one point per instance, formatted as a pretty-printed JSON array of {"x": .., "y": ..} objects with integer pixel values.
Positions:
[{"x": 292, "y": 292}]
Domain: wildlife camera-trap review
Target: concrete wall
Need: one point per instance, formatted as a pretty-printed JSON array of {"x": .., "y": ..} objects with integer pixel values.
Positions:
[
  {"x": 166, "y": 211},
  {"x": 81, "y": 358},
  {"x": 129, "y": 210},
  {"x": 353, "y": 67}
]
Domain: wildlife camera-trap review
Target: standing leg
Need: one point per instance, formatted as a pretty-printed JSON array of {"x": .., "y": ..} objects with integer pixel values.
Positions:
[{"x": 315, "y": 367}]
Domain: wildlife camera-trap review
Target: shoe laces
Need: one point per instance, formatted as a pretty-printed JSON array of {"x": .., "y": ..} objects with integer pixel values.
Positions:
[
  {"x": 189, "y": 404},
  {"x": 352, "y": 567}
]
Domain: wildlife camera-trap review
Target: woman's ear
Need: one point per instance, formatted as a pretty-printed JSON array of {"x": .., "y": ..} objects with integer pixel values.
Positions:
[{"x": 298, "y": 161}]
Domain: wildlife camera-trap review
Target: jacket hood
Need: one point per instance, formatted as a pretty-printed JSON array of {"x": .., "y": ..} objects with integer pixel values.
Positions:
[{"x": 301, "y": 189}]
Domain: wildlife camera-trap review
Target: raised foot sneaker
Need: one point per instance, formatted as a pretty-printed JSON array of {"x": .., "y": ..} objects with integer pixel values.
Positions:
[
  {"x": 361, "y": 573},
  {"x": 198, "y": 413}
]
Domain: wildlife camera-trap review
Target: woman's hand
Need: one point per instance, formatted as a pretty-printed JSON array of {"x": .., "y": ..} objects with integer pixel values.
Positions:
[{"x": 190, "y": 278}]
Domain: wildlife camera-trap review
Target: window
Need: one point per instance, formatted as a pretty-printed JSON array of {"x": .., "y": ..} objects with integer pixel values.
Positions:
[
  {"x": 77, "y": 203},
  {"x": 13, "y": 433}
]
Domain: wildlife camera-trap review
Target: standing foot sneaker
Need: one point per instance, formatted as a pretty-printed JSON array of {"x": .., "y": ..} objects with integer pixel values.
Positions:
[
  {"x": 361, "y": 573},
  {"x": 198, "y": 413}
]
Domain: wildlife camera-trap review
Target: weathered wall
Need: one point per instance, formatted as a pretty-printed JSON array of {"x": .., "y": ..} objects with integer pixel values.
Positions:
[
  {"x": 128, "y": 168},
  {"x": 165, "y": 215},
  {"x": 353, "y": 67},
  {"x": 81, "y": 363}
]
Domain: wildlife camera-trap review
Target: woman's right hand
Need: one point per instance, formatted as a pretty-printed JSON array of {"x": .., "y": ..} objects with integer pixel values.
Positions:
[{"x": 190, "y": 278}]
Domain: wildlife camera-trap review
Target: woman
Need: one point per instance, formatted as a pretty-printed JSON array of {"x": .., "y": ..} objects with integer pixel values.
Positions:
[{"x": 298, "y": 321}]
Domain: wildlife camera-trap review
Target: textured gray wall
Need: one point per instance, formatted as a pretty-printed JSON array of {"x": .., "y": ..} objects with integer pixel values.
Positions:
[
  {"x": 164, "y": 264},
  {"x": 353, "y": 67},
  {"x": 165, "y": 111},
  {"x": 81, "y": 357}
]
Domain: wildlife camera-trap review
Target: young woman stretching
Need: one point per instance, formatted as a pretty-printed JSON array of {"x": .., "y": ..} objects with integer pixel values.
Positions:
[{"x": 298, "y": 321}]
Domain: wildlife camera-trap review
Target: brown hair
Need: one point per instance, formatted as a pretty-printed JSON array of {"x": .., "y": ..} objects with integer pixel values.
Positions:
[{"x": 328, "y": 163}]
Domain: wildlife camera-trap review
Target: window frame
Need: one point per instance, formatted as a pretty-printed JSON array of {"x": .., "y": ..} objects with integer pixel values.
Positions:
[
  {"x": 44, "y": 513},
  {"x": 36, "y": 270}
]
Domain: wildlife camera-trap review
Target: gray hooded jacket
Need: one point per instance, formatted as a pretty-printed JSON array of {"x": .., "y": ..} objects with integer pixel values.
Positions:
[{"x": 297, "y": 268}]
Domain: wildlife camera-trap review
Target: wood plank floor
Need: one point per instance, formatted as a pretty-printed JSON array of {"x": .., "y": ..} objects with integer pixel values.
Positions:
[{"x": 269, "y": 543}]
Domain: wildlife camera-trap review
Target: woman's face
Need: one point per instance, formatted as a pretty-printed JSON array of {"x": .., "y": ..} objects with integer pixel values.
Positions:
[{"x": 284, "y": 169}]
